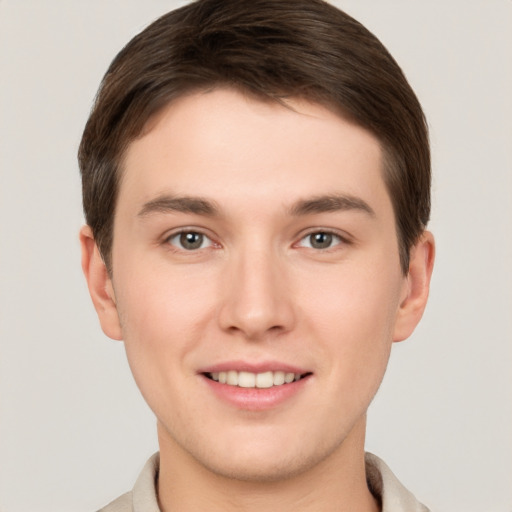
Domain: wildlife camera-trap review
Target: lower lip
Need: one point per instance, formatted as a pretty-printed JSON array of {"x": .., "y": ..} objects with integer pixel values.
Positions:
[{"x": 256, "y": 399}]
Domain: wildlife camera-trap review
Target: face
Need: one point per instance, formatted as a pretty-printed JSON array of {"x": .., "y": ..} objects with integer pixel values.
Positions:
[{"x": 256, "y": 281}]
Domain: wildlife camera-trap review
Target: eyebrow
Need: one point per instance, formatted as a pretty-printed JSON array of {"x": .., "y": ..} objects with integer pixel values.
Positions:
[
  {"x": 182, "y": 204},
  {"x": 330, "y": 203},
  {"x": 205, "y": 207}
]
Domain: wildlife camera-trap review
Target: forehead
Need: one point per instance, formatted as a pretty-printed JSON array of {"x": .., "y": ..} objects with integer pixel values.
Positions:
[{"x": 236, "y": 148}]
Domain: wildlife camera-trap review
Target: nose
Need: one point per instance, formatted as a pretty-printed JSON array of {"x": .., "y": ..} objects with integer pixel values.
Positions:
[{"x": 257, "y": 302}]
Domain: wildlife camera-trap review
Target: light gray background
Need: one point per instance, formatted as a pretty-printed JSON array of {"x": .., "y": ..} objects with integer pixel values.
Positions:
[{"x": 74, "y": 431}]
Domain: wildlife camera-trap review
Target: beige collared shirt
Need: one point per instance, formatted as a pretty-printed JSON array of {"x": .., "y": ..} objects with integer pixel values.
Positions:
[{"x": 382, "y": 482}]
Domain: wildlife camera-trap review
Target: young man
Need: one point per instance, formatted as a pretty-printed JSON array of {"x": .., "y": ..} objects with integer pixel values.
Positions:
[{"x": 256, "y": 187}]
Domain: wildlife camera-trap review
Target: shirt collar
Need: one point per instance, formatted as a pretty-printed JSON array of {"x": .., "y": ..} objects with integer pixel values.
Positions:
[{"x": 385, "y": 486}]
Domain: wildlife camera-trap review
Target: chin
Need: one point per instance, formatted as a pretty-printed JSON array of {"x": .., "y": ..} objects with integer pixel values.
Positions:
[
  {"x": 266, "y": 462},
  {"x": 257, "y": 470}
]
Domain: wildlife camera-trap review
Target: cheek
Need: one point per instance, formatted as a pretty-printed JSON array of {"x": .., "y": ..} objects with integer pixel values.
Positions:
[
  {"x": 162, "y": 301},
  {"x": 353, "y": 316},
  {"x": 362, "y": 299},
  {"x": 163, "y": 317}
]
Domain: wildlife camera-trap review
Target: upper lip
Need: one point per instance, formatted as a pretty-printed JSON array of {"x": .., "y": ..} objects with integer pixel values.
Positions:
[{"x": 261, "y": 367}]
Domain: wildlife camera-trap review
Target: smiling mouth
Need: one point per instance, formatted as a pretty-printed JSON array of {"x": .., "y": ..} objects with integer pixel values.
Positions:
[{"x": 255, "y": 380}]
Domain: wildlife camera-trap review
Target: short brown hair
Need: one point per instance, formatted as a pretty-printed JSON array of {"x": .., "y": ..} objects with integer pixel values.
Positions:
[{"x": 273, "y": 49}]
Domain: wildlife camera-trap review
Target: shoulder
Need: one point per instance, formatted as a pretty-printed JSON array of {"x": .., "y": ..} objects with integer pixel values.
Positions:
[
  {"x": 385, "y": 486},
  {"x": 143, "y": 496},
  {"x": 121, "y": 504}
]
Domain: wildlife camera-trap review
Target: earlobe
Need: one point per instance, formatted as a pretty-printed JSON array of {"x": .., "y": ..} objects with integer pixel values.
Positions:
[
  {"x": 416, "y": 287},
  {"x": 100, "y": 285}
]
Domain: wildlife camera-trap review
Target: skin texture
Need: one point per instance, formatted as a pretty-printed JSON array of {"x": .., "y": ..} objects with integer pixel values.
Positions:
[{"x": 257, "y": 291}]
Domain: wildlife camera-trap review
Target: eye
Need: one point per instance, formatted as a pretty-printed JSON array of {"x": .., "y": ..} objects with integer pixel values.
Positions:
[
  {"x": 189, "y": 240},
  {"x": 320, "y": 240}
]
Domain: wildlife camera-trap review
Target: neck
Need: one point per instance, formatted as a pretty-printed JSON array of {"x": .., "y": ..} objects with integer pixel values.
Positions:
[{"x": 337, "y": 483}]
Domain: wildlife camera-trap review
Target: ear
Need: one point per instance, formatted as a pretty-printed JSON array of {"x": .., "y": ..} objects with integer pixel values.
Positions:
[
  {"x": 416, "y": 287},
  {"x": 100, "y": 285}
]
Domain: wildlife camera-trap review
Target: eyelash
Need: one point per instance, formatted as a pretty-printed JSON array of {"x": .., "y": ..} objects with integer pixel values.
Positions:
[
  {"x": 341, "y": 240},
  {"x": 184, "y": 232}
]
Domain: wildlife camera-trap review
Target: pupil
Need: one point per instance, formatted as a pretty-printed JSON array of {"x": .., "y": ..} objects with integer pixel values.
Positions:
[
  {"x": 321, "y": 240},
  {"x": 191, "y": 240}
]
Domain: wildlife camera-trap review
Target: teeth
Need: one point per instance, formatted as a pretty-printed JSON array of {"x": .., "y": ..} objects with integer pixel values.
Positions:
[
  {"x": 289, "y": 377},
  {"x": 246, "y": 379},
  {"x": 265, "y": 380},
  {"x": 278, "y": 378},
  {"x": 255, "y": 380},
  {"x": 232, "y": 379}
]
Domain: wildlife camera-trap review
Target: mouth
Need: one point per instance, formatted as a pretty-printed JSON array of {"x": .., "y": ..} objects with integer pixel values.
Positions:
[
  {"x": 256, "y": 387},
  {"x": 263, "y": 380}
]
